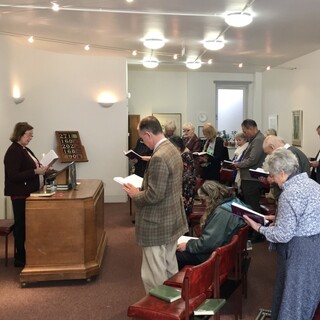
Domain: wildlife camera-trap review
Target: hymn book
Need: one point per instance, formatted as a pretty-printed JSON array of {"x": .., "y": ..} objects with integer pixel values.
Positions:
[
  {"x": 133, "y": 179},
  {"x": 258, "y": 173},
  {"x": 132, "y": 155},
  {"x": 240, "y": 211},
  {"x": 209, "y": 307},
  {"x": 166, "y": 293},
  {"x": 49, "y": 159}
]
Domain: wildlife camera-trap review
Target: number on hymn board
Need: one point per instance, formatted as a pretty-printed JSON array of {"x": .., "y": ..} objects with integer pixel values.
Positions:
[{"x": 70, "y": 147}]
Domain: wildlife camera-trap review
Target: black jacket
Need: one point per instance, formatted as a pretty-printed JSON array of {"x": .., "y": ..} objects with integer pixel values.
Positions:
[{"x": 20, "y": 179}]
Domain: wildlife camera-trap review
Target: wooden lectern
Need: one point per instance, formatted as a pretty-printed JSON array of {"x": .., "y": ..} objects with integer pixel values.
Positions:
[{"x": 65, "y": 236}]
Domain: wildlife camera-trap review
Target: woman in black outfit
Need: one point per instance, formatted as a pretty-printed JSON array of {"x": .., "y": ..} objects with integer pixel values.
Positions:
[
  {"x": 23, "y": 175},
  {"x": 216, "y": 153}
]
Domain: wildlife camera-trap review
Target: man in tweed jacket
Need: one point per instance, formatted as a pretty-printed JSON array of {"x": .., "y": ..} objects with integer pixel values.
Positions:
[{"x": 160, "y": 218}]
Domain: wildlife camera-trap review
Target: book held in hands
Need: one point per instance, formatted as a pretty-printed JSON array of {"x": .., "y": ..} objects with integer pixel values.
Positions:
[
  {"x": 132, "y": 155},
  {"x": 240, "y": 210},
  {"x": 183, "y": 239},
  {"x": 228, "y": 165},
  {"x": 202, "y": 153},
  {"x": 166, "y": 293},
  {"x": 133, "y": 179},
  {"x": 49, "y": 159},
  {"x": 258, "y": 173}
]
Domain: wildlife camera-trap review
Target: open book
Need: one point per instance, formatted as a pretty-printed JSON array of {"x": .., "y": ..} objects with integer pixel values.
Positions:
[
  {"x": 228, "y": 165},
  {"x": 257, "y": 173},
  {"x": 240, "y": 211},
  {"x": 49, "y": 159},
  {"x": 42, "y": 194},
  {"x": 132, "y": 155},
  {"x": 183, "y": 239},
  {"x": 134, "y": 179},
  {"x": 166, "y": 293},
  {"x": 202, "y": 153}
]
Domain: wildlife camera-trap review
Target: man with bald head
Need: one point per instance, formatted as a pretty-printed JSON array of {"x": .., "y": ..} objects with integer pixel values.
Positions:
[{"x": 272, "y": 143}]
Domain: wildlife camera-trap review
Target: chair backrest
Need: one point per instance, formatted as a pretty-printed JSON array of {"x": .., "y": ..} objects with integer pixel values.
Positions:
[
  {"x": 227, "y": 176},
  {"x": 229, "y": 261},
  {"x": 243, "y": 237},
  {"x": 198, "y": 279}
]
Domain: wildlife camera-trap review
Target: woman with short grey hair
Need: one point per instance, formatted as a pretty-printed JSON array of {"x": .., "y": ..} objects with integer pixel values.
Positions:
[
  {"x": 295, "y": 235},
  {"x": 190, "y": 139}
]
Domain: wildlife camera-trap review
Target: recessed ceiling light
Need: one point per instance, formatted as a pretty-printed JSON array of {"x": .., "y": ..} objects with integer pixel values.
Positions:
[
  {"x": 175, "y": 56},
  {"x": 268, "y": 68},
  {"x": 150, "y": 62},
  {"x": 238, "y": 19},
  {"x": 154, "y": 43},
  {"x": 30, "y": 39},
  {"x": 240, "y": 65},
  {"x": 213, "y": 44},
  {"x": 193, "y": 64},
  {"x": 210, "y": 61},
  {"x": 55, "y": 6},
  {"x": 134, "y": 52},
  {"x": 87, "y": 47}
]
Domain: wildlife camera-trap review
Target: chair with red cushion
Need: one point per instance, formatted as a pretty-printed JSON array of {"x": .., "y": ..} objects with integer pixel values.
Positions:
[{"x": 196, "y": 281}]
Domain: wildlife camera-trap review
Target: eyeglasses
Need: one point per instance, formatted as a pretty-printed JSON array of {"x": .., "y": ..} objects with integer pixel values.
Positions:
[{"x": 185, "y": 130}]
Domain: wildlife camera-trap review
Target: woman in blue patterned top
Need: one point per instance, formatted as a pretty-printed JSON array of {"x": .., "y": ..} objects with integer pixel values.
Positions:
[{"x": 295, "y": 235}]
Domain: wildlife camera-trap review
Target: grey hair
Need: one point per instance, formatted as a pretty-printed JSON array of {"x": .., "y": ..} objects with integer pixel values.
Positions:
[
  {"x": 241, "y": 135},
  {"x": 281, "y": 160},
  {"x": 271, "y": 132},
  {"x": 188, "y": 126}
]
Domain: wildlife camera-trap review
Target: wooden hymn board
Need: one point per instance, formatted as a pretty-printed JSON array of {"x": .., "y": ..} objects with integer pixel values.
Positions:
[{"x": 70, "y": 147}]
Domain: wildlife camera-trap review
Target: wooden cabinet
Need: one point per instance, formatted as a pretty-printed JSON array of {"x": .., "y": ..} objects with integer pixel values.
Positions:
[{"x": 65, "y": 237}]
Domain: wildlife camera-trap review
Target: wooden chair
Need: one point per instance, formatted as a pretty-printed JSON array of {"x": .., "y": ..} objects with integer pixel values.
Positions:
[
  {"x": 196, "y": 281},
  {"x": 6, "y": 227},
  {"x": 244, "y": 259},
  {"x": 228, "y": 273}
]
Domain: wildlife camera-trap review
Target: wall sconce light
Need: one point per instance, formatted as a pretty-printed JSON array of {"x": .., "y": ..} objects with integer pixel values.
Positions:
[
  {"x": 18, "y": 100},
  {"x": 106, "y": 100},
  {"x": 106, "y": 104},
  {"x": 16, "y": 95}
]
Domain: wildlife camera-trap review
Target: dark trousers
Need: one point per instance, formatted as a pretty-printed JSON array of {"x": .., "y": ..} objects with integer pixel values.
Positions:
[
  {"x": 251, "y": 191},
  {"x": 185, "y": 258},
  {"x": 19, "y": 230}
]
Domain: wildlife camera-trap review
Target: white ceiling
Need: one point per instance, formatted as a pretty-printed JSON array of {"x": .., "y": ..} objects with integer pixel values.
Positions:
[{"x": 281, "y": 31}]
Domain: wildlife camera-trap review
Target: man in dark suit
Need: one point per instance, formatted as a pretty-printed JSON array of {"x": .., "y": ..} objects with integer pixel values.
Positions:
[
  {"x": 252, "y": 159},
  {"x": 315, "y": 163},
  {"x": 160, "y": 216}
]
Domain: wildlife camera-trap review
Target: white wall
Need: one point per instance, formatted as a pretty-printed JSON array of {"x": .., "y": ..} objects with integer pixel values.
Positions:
[
  {"x": 61, "y": 93},
  {"x": 188, "y": 93},
  {"x": 285, "y": 90}
]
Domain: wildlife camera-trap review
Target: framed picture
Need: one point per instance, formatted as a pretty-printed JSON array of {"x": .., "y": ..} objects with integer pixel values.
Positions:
[
  {"x": 273, "y": 122},
  {"x": 297, "y": 128},
  {"x": 200, "y": 132},
  {"x": 165, "y": 118}
]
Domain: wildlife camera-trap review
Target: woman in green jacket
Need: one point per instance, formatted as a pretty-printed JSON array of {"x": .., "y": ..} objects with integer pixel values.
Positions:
[{"x": 218, "y": 224}]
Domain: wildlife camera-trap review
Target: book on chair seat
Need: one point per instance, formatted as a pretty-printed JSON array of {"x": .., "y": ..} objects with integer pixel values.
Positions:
[
  {"x": 166, "y": 293},
  {"x": 209, "y": 307}
]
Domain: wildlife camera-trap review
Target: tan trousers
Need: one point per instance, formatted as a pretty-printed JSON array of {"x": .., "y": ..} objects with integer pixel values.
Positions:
[{"x": 158, "y": 264}]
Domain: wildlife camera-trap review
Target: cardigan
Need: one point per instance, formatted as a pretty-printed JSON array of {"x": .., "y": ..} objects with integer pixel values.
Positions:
[{"x": 20, "y": 178}]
